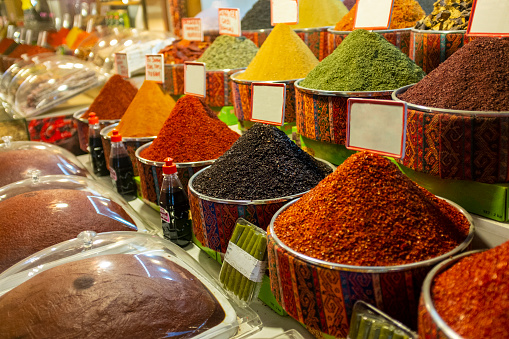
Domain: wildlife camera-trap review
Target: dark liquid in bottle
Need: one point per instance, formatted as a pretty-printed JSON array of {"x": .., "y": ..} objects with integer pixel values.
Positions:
[
  {"x": 97, "y": 153},
  {"x": 123, "y": 175},
  {"x": 175, "y": 215}
]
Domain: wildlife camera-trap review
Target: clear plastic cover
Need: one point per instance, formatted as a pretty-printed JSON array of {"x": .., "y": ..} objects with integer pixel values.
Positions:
[
  {"x": 61, "y": 78},
  {"x": 153, "y": 284},
  {"x": 101, "y": 53},
  {"x": 18, "y": 159}
]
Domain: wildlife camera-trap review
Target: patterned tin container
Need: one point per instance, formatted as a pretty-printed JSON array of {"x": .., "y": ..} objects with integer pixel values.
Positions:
[
  {"x": 258, "y": 36},
  {"x": 131, "y": 144},
  {"x": 428, "y": 49},
  {"x": 430, "y": 324},
  {"x": 316, "y": 39},
  {"x": 398, "y": 37},
  {"x": 219, "y": 92},
  {"x": 82, "y": 127},
  {"x": 453, "y": 144},
  {"x": 242, "y": 97},
  {"x": 321, "y": 295},
  {"x": 214, "y": 219},
  {"x": 322, "y": 115},
  {"x": 151, "y": 174}
]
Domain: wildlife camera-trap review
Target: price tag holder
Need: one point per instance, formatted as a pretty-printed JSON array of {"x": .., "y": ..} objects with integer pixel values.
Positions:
[
  {"x": 373, "y": 14},
  {"x": 489, "y": 18},
  {"x": 192, "y": 29},
  {"x": 121, "y": 65},
  {"x": 195, "y": 79},
  {"x": 268, "y": 102},
  {"x": 378, "y": 126},
  {"x": 284, "y": 11},
  {"x": 154, "y": 67},
  {"x": 229, "y": 21}
]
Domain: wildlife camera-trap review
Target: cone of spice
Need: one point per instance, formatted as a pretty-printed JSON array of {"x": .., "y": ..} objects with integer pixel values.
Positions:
[
  {"x": 183, "y": 50},
  {"x": 447, "y": 15},
  {"x": 191, "y": 133},
  {"x": 258, "y": 17},
  {"x": 228, "y": 52},
  {"x": 368, "y": 213},
  {"x": 319, "y": 13},
  {"x": 113, "y": 99}
]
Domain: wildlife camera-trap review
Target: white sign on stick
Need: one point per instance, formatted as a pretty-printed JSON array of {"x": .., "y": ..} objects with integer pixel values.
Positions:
[
  {"x": 373, "y": 14},
  {"x": 378, "y": 126},
  {"x": 154, "y": 67},
  {"x": 229, "y": 21},
  {"x": 268, "y": 102},
  {"x": 195, "y": 79},
  {"x": 192, "y": 29},
  {"x": 121, "y": 65},
  {"x": 489, "y": 18},
  {"x": 284, "y": 11}
]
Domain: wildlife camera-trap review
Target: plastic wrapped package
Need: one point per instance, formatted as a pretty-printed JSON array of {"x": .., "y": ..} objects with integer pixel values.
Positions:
[
  {"x": 42, "y": 211},
  {"x": 117, "y": 285}
]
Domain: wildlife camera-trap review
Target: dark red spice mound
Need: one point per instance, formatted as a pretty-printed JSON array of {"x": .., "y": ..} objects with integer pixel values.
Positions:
[
  {"x": 472, "y": 296},
  {"x": 475, "y": 78},
  {"x": 113, "y": 99},
  {"x": 368, "y": 213},
  {"x": 191, "y": 133}
]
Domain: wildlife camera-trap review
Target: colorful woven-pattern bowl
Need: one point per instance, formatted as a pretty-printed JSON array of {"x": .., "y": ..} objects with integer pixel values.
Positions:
[
  {"x": 242, "y": 97},
  {"x": 428, "y": 49},
  {"x": 451, "y": 144},
  {"x": 321, "y": 295},
  {"x": 258, "y": 36},
  {"x": 322, "y": 115},
  {"x": 131, "y": 144},
  {"x": 398, "y": 37},
  {"x": 430, "y": 324},
  {"x": 82, "y": 127},
  {"x": 151, "y": 174},
  {"x": 316, "y": 39}
]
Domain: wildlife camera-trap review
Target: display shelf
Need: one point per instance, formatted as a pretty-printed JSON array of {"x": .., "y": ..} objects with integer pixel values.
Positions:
[{"x": 273, "y": 324}]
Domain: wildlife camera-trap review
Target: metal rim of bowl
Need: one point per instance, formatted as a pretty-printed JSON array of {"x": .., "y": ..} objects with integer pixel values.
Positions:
[
  {"x": 312, "y": 29},
  {"x": 106, "y": 130},
  {"x": 442, "y": 110},
  {"x": 381, "y": 31},
  {"x": 261, "y": 30},
  {"x": 426, "y": 293},
  {"x": 161, "y": 164},
  {"x": 246, "y": 202},
  {"x": 249, "y": 82},
  {"x": 374, "y": 269},
  {"x": 437, "y": 32},
  {"x": 346, "y": 94},
  {"x": 78, "y": 116}
]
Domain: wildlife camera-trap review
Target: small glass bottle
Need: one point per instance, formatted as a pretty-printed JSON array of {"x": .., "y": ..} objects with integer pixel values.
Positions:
[
  {"x": 95, "y": 146},
  {"x": 121, "y": 168},
  {"x": 174, "y": 207}
]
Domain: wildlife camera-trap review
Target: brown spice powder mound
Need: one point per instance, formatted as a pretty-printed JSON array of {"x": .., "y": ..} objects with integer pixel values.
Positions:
[
  {"x": 475, "y": 78},
  {"x": 368, "y": 213}
]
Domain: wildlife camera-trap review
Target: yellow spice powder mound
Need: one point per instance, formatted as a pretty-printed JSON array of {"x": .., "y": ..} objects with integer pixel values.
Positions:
[{"x": 320, "y": 13}]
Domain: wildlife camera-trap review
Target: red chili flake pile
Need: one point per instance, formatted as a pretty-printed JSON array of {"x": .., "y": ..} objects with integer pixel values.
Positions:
[
  {"x": 191, "y": 133},
  {"x": 472, "y": 296},
  {"x": 368, "y": 213}
]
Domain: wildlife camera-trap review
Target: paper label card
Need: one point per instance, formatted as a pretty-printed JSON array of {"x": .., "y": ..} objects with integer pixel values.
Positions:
[
  {"x": 378, "y": 126},
  {"x": 229, "y": 21},
  {"x": 154, "y": 67},
  {"x": 373, "y": 14},
  {"x": 121, "y": 65},
  {"x": 195, "y": 79},
  {"x": 192, "y": 29},
  {"x": 284, "y": 11},
  {"x": 268, "y": 102},
  {"x": 489, "y": 18}
]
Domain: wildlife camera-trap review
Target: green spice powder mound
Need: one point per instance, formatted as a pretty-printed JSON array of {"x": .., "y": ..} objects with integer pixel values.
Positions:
[
  {"x": 228, "y": 52},
  {"x": 364, "y": 61}
]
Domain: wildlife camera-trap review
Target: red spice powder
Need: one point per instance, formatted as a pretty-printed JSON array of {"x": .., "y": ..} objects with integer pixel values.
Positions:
[
  {"x": 472, "y": 296},
  {"x": 113, "y": 99},
  {"x": 5, "y": 44},
  {"x": 28, "y": 50},
  {"x": 368, "y": 213},
  {"x": 191, "y": 133}
]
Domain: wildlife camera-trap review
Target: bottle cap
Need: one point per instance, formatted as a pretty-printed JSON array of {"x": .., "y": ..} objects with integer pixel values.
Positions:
[
  {"x": 93, "y": 119},
  {"x": 169, "y": 167},
  {"x": 116, "y": 137}
]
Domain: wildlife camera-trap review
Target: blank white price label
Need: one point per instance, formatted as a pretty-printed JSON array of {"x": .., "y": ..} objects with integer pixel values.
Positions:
[
  {"x": 195, "y": 79},
  {"x": 373, "y": 14},
  {"x": 378, "y": 126},
  {"x": 229, "y": 21},
  {"x": 192, "y": 29},
  {"x": 154, "y": 67},
  {"x": 268, "y": 103},
  {"x": 284, "y": 11},
  {"x": 121, "y": 65},
  {"x": 489, "y": 18}
]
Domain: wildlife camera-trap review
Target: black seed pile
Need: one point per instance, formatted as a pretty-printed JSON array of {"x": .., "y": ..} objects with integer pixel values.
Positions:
[
  {"x": 258, "y": 17},
  {"x": 262, "y": 164}
]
